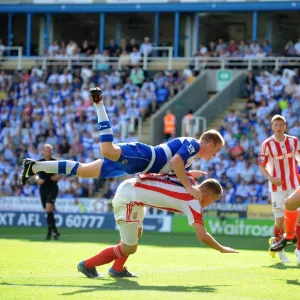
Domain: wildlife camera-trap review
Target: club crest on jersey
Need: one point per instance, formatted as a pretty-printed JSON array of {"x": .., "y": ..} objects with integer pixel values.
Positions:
[
  {"x": 262, "y": 159},
  {"x": 124, "y": 161},
  {"x": 191, "y": 149}
]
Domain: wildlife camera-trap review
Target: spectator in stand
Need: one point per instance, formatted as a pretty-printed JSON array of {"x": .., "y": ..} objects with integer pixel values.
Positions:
[
  {"x": 243, "y": 48},
  {"x": 53, "y": 49},
  {"x": 289, "y": 47},
  {"x": 137, "y": 76},
  {"x": 220, "y": 46},
  {"x": 249, "y": 84},
  {"x": 146, "y": 47},
  {"x": 249, "y": 54},
  {"x": 123, "y": 46},
  {"x": 71, "y": 48},
  {"x": 85, "y": 48},
  {"x": 113, "y": 48},
  {"x": 297, "y": 47},
  {"x": 212, "y": 48},
  {"x": 132, "y": 45},
  {"x": 124, "y": 59},
  {"x": 202, "y": 50},
  {"x": 135, "y": 57},
  {"x": 233, "y": 47},
  {"x": 267, "y": 48},
  {"x": 162, "y": 94},
  {"x": 254, "y": 47}
]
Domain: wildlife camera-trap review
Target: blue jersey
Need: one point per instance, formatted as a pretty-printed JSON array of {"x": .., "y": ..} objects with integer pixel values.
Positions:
[{"x": 141, "y": 158}]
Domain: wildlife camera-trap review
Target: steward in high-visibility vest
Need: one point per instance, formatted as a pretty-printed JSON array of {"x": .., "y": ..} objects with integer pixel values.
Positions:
[{"x": 169, "y": 125}]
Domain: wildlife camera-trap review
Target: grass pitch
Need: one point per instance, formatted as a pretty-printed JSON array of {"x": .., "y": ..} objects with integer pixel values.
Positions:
[{"x": 169, "y": 266}]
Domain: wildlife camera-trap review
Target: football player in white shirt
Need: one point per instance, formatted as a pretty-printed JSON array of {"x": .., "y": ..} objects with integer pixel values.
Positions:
[
  {"x": 278, "y": 163},
  {"x": 158, "y": 191}
]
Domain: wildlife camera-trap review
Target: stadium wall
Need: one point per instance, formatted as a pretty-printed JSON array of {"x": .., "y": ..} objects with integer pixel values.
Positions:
[
  {"x": 221, "y": 101},
  {"x": 191, "y": 98}
]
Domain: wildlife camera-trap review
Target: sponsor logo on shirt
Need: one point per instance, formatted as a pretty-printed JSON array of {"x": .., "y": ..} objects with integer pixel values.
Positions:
[
  {"x": 191, "y": 149},
  {"x": 284, "y": 156}
]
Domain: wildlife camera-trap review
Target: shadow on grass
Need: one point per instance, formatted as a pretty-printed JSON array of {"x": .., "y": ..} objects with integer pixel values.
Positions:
[
  {"x": 282, "y": 266},
  {"x": 293, "y": 282},
  {"x": 149, "y": 238},
  {"x": 121, "y": 284}
]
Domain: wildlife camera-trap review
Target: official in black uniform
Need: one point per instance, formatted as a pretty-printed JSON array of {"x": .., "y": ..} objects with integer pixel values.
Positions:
[{"x": 48, "y": 192}]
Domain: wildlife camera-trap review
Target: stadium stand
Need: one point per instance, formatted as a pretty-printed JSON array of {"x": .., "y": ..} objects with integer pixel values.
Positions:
[{"x": 52, "y": 106}]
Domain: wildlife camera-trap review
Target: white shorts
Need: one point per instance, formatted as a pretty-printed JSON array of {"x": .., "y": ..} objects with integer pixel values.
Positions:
[
  {"x": 277, "y": 200},
  {"x": 128, "y": 214}
]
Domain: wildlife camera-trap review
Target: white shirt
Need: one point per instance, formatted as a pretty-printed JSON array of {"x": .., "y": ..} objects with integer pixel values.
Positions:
[{"x": 135, "y": 57}]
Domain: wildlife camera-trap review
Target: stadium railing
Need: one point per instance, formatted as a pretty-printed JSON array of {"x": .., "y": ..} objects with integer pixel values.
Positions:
[
  {"x": 193, "y": 126},
  {"x": 150, "y": 63}
]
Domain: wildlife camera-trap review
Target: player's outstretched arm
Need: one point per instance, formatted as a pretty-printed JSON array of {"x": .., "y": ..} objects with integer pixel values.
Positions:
[
  {"x": 177, "y": 165},
  {"x": 197, "y": 173},
  {"x": 209, "y": 241}
]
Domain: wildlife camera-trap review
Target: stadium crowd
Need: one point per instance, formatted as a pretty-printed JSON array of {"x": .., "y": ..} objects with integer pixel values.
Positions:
[
  {"x": 53, "y": 107},
  {"x": 244, "y": 131}
]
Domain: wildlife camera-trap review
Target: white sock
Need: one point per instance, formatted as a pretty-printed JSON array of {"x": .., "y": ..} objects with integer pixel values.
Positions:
[
  {"x": 56, "y": 167},
  {"x": 106, "y": 133}
]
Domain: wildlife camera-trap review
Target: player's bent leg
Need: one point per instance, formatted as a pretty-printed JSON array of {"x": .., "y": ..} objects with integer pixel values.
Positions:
[
  {"x": 293, "y": 202},
  {"x": 129, "y": 232},
  {"x": 110, "y": 151},
  {"x": 90, "y": 170}
]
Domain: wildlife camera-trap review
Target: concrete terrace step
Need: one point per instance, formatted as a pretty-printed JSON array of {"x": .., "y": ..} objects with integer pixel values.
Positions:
[{"x": 238, "y": 105}]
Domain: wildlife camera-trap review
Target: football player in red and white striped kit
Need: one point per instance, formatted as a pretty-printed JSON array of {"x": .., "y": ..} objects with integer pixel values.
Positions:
[
  {"x": 159, "y": 191},
  {"x": 278, "y": 158}
]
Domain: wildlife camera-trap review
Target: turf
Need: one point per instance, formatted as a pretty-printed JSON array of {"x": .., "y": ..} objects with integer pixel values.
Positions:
[{"x": 169, "y": 266}]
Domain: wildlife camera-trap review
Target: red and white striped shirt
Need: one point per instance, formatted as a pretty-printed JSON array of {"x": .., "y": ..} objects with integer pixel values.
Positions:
[
  {"x": 281, "y": 158},
  {"x": 163, "y": 192}
]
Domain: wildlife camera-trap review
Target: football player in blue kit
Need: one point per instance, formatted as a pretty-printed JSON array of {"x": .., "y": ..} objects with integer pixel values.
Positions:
[{"x": 131, "y": 158}]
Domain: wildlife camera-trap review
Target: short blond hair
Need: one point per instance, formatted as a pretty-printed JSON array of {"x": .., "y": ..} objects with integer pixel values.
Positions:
[
  {"x": 278, "y": 117},
  {"x": 213, "y": 185},
  {"x": 48, "y": 146},
  {"x": 212, "y": 136}
]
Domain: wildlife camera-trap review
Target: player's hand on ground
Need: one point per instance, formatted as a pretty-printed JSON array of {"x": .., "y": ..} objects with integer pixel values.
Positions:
[
  {"x": 228, "y": 250},
  {"x": 276, "y": 181},
  {"x": 193, "y": 191},
  {"x": 197, "y": 173},
  {"x": 54, "y": 177},
  {"x": 40, "y": 181}
]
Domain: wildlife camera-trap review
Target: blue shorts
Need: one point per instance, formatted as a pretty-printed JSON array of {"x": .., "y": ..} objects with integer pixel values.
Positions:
[{"x": 135, "y": 158}]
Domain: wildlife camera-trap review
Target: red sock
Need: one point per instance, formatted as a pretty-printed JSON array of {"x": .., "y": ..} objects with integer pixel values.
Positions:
[
  {"x": 298, "y": 235},
  {"x": 278, "y": 233},
  {"x": 104, "y": 257},
  {"x": 119, "y": 263}
]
